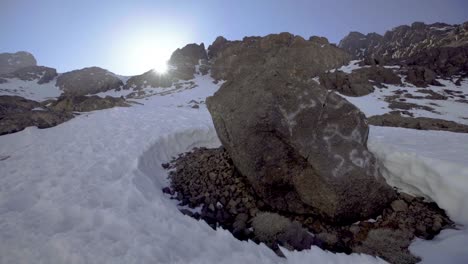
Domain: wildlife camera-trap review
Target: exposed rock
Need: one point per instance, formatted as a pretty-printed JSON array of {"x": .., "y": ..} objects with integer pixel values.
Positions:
[
  {"x": 86, "y": 103},
  {"x": 360, "y": 81},
  {"x": 391, "y": 245},
  {"x": 32, "y": 73},
  {"x": 422, "y": 123},
  {"x": 183, "y": 61},
  {"x": 219, "y": 44},
  {"x": 10, "y": 62},
  {"x": 319, "y": 40},
  {"x": 17, "y": 113},
  {"x": 360, "y": 45},
  {"x": 306, "y": 168},
  {"x": 88, "y": 81},
  {"x": 421, "y": 76},
  {"x": 207, "y": 178},
  {"x": 149, "y": 79},
  {"x": 291, "y": 54}
]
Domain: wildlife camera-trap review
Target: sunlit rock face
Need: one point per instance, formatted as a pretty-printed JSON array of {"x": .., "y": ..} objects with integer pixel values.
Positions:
[
  {"x": 41, "y": 74},
  {"x": 292, "y": 54},
  {"x": 88, "y": 81},
  {"x": 10, "y": 62},
  {"x": 302, "y": 148}
]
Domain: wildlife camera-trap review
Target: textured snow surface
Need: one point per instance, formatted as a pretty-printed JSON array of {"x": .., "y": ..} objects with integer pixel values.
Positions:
[
  {"x": 89, "y": 191},
  {"x": 431, "y": 164},
  {"x": 450, "y": 109},
  {"x": 30, "y": 89}
]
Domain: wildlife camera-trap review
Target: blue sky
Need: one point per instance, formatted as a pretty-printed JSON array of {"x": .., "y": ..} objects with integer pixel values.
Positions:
[{"x": 128, "y": 37}]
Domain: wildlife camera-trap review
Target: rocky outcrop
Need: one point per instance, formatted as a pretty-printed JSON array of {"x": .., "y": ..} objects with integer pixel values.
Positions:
[
  {"x": 426, "y": 51},
  {"x": 88, "y": 81},
  {"x": 10, "y": 62},
  {"x": 41, "y": 74},
  {"x": 182, "y": 66},
  {"x": 292, "y": 54},
  {"x": 86, "y": 103},
  {"x": 302, "y": 148},
  {"x": 17, "y": 113},
  {"x": 359, "y": 82},
  {"x": 421, "y": 123}
]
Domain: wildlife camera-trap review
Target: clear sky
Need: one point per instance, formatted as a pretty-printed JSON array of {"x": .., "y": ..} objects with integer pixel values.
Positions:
[{"x": 128, "y": 37}]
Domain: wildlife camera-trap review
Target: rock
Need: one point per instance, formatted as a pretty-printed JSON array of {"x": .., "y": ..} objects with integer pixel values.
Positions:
[
  {"x": 10, "y": 62},
  {"x": 17, "y": 113},
  {"x": 88, "y": 81},
  {"x": 271, "y": 228},
  {"x": 66, "y": 103},
  {"x": 292, "y": 54},
  {"x": 421, "y": 76},
  {"x": 219, "y": 44},
  {"x": 183, "y": 61},
  {"x": 319, "y": 40},
  {"x": 360, "y": 45},
  {"x": 40, "y": 74},
  {"x": 421, "y": 123},
  {"x": 149, "y": 79},
  {"x": 357, "y": 83},
  {"x": 399, "y": 206},
  {"x": 391, "y": 245},
  {"x": 302, "y": 148}
]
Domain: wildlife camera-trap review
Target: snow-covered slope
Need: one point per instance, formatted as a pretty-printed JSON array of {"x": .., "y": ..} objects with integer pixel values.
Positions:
[
  {"x": 89, "y": 191},
  {"x": 30, "y": 89}
]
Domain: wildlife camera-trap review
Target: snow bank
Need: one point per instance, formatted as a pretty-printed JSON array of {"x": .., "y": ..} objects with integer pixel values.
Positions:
[
  {"x": 426, "y": 163},
  {"x": 30, "y": 89}
]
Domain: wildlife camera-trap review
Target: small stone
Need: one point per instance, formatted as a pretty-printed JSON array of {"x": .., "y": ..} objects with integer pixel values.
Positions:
[
  {"x": 399, "y": 206},
  {"x": 165, "y": 165},
  {"x": 195, "y": 106},
  {"x": 408, "y": 198}
]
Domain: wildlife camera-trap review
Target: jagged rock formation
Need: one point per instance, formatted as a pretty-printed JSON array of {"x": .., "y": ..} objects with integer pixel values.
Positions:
[
  {"x": 31, "y": 73},
  {"x": 424, "y": 50},
  {"x": 302, "y": 148},
  {"x": 424, "y": 123},
  {"x": 10, "y": 62},
  {"x": 359, "y": 82},
  {"x": 86, "y": 103},
  {"x": 90, "y": 80},
  {"x": 182, "y": 66},
  {"x": 292, "y": 54}
]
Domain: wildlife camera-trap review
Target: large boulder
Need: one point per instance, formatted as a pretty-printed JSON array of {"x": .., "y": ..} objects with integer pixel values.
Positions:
[
  {"x": 10, "y": 62},
  {"x": 302, "y": 148},
  {"x": 88, "y": 81},
  {"x": 41, "y": 74},
  {"x": 292, "y": 54}
]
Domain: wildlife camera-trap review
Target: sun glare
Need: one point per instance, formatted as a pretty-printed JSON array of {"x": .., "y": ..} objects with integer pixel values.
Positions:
[{"x": 161, "y": 67}]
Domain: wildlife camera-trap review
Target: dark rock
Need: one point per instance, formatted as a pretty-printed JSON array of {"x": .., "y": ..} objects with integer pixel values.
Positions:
[
  {"x": 219, "y": 44},
  {"x": 10, "y": 62},
  {"x": 306, "y": 168},
  {"x": 40, "y": 74},
  {"x": 88, "y": 81},
  {"x": 422, "y": 123},
  {"x": 286, "y": 52},
  {"x": 399, "y": 206},
  {"x": 421, "y": 76},
  {"x": 67, "y": 103},
  {"x": 319, "y": 40},
  {"x": 183, "y": 61}
]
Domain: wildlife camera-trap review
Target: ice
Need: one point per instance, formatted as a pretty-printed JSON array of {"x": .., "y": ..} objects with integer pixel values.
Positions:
[{"x": 353, "y": 65}]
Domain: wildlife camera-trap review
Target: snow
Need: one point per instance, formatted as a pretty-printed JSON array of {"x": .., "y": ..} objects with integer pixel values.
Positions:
[
  {"x": 450, "y": 109},
  {"x": 430, "y": 164},
  {"x": 30, "y": 89},
  {"x": 353, "y": 65},
  {"x": 89, "y": 190}
]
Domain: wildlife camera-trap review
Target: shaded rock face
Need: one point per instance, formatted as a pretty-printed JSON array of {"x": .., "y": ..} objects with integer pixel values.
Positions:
[
  {"x": 88, "y": 81},
  {"x": 291, "y": 54},
  {"x": 10, "y": 62},
  {"x": 302, "y": 148},
  {"x": 425, "y": 50},
  {"x": 86, "y": 103},
  {"x": 182, "y": 66},
  {"x": 359, "y": 82},
  {"x": 421, "y": 123},
  {"x": 17, "y": 113},
  {"x": 31, "y": 73}
]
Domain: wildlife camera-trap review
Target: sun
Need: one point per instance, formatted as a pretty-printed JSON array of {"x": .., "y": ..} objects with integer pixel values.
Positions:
[{"x": 161, "y": 66}]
